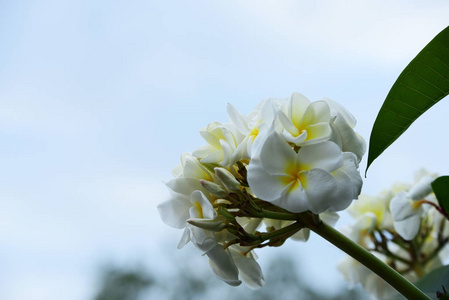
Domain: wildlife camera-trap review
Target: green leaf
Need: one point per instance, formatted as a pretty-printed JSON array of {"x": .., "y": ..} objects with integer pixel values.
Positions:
[
  {"x": 440, "y": 187},
  {"x": 424, "y": 82},
  {"x": 432, "y": 283}
]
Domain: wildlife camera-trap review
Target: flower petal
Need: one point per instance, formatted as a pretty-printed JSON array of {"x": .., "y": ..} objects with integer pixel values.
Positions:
[
  {"x": 185, "y": 186},
  {"x": 207, "y": 210},
  {"x": 320, "y": 189},
  {"x": 249, "y": 270},
  {"x": 240, "y": 121},
  {"x": 302, "y": 235},
  {"x": 297, "y": 140},
  {"x": 408, "y": 228},
  {"x": 185, "y": 238},
  {"x": 193, "y": 168},
  {"x": 330, "y": 218},
  {"x": 421, "y": 189},
  {"x": 223, "y": 266},
  {"x": 350, "y": 140},
  {"x": 345, "y": 192},
  {"x": 276, "y": 154},
  {"x": 297, "y": 106},
  {"x": 317, "y": 133},
  {"x": 402, "y": 207},
  {"x": 288, "y": 125},
  {"x": 175, "y": 211},
  {"x": 326, "y": 156},
  {"x": 294, "y": 198},
  {"x": 317, "y": 112},
  {"x": 262, "y": 184}
]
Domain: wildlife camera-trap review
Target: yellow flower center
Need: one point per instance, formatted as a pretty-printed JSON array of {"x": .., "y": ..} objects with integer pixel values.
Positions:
[
  {"x": 199, "y": 209},
  {"x": 254, "y": 132},
  {"x": 294, "y": 175}
]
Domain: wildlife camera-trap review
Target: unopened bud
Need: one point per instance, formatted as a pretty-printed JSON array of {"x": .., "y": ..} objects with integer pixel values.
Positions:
[
  {"x": 207, "y": 224},
  {"x": 228, "y": 180},
  {"x": 226, "y": 214},
  {"x": 214, "y": 189}
]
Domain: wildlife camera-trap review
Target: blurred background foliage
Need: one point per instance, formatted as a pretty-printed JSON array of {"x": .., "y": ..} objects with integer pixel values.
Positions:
[{"x": 187, "y": 280}]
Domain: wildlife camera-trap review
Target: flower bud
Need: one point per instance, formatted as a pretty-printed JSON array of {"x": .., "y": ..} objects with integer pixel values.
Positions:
[
  {"x": 210, "y": 225},
  {"x": 214, "y": 189},
  {"x": 226, "y": 214},
  {"x": 228, "y": 180}
]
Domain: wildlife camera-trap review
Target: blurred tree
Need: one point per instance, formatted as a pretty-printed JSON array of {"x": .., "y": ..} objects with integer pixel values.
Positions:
[
  {"x": 123, "y": 284},
  {"x": 283, "y": 281}
]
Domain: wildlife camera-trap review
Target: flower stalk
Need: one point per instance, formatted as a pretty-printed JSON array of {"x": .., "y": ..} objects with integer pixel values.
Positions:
[{"x": 391, "y": 276}]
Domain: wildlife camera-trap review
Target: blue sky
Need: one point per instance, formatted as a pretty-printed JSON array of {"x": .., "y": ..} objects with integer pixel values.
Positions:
[{"x": 98, "y": 99}]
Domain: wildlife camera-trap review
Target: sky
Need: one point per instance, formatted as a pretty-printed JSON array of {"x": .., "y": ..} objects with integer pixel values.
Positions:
[{"x": 98, "y": 99}]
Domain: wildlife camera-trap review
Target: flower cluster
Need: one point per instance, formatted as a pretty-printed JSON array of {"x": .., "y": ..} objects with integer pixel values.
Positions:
[
  {"x": 287, "y": 161},
  {"x": 404, "y": 227}
]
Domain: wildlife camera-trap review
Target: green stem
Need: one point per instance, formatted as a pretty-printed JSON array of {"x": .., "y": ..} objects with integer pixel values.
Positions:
[
  {"x": 278, "y": 215},
  {"x": 397, "y": 281}
]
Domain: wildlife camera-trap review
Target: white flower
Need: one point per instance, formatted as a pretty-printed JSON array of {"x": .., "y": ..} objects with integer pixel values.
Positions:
[
  {"x": 407, "y": 209},
  {"x": 407, "y": 215},
  {"x": 223, "y": 265},
  {"x": 318, "y": 177},
  {"x": 304, "y": 122},
  {"x": 355, "y": 272},
  {"x": 249, "y": 270},
  {"x": 235, "y": 265},
  {"x": 375, "y": 207},
  {"x": 343, "y": 133},
  {"x": 250, "y": 126},
  {"x": 190, "y": 167},
  {"x": 222, "y": 145},
  {"x": 188, "y": 201}
]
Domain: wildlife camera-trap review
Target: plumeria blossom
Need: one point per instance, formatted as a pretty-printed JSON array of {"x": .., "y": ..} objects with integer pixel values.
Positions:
[
  {"x": 189, "y": 202},
  {"x": 190, "y": 167},
  {"x": 354, "y": 272},
  {"x": 407, "y": 210},
  {"x": 222, "y": 145},
  {"x": 343, "y": 134},
  {"x": 249, "y": 127},
  {"x": 249, "y": 270},
  {"x": 287, "y": 159},
  {"x": 390, "y": 225},
  {"x": 305, "y": 123},
  {"x": 317, "y": 177}
]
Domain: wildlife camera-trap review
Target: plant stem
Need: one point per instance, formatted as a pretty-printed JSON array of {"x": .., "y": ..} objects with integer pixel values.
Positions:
[{"x": 397, "y": 281}]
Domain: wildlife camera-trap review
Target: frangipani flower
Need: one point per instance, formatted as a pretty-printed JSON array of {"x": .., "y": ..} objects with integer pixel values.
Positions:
[
  {"x": 223, "y": 266},
  {"x": 249, "y": 127},
  {"x": 249, "y": 270},
  {"x": 317, "y": 177},
  {"x": 375, "y": 208},
  {"x": 190, "y": 167},
  {"x": 182, "y": 208},
  {"x": 188, "y": 201},
  {"x": 293, "y": 153},
  {"x": 406, "y": 208},
  {"x": 222, "y": 145},
  {"x": 343, "y": 134},
  {"x": 407, "y": 215},
  {"x": 304, "y": 122},
  {"x": 354, "y": 272}
]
